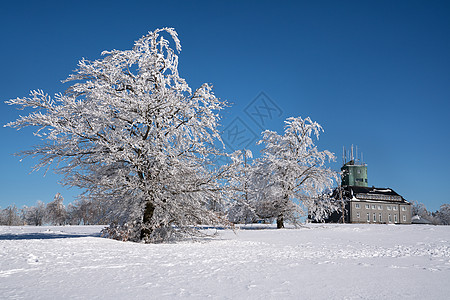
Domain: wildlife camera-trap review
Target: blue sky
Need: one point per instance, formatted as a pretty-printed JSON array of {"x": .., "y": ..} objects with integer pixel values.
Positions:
[{"x": 373, "y": 73}]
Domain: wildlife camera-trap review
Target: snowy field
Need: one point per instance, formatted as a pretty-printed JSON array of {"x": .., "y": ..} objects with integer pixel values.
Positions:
[{"x": 313, "y": 262}]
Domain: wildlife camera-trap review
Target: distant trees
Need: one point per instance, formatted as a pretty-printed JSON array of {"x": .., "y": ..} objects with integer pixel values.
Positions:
[
  {"x": 10, "y": 216},
  {"x": 87, "y": 212},
  {"x": 81, "y": 212},
  {"x": 35, "y": 215},
  {"x": 439, "y": 217},
  {"x": 444, "y": 214},
  {"x": 55, "y": 212}
]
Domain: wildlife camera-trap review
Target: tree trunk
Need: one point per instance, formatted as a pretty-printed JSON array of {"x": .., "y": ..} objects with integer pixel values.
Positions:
[
  {"x": 280, "y": 221},
  {"x": 148, "y": 214}
]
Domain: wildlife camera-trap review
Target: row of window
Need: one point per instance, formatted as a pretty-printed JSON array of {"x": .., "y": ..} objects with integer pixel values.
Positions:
[
  {"x": 380, "y": 207},
  {"x": 380, "y": 217}
]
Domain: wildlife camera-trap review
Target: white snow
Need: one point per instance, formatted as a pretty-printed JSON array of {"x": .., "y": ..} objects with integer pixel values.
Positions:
[
  {"x": 382, "y": 190},
  {"x": 313, "y": 262}
]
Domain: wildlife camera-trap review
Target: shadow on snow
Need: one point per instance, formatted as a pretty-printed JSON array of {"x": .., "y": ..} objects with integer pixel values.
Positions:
[{"x": 44, "y": 236}]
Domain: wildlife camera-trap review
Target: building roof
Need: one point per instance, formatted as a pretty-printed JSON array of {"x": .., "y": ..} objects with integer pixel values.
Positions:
[{"x": 371, "y": 194}]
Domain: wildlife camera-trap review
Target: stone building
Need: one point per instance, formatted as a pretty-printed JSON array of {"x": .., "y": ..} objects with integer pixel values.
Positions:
[
  {"x": 372, "y": 205},
  {"x": 365, "y": 204}
]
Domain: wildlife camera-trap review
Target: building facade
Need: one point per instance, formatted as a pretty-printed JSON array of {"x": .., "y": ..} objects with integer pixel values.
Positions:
[
  {"x": 363, "y": 204},
  {"x": 372, "y": 205}
]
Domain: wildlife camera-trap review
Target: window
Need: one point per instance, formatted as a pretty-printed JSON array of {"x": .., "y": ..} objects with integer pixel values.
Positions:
[
  {"x": 380, "y": 207},
  {"x": 356, "y": 205},
  {"x": 395, "y": 218},
  {"x": 381, "y": 217},
  {"x": 390, "y": 218},
  {"x": 374, "y": 217},
  {"x": 403, "y": 208},
  {"x": 394, "y": 207},
  {"x": 368, "y": 217},
  {"x": 357, "y": 215},
  {"x": 367, "y": 206},
  {"x": 374, "y": 206},
  {"x": 404, "y": 218},
  {"x": 388, "y": 207}
]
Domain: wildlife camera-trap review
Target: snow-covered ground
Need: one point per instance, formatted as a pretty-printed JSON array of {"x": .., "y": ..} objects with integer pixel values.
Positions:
[{"x": 313, "y": 262}]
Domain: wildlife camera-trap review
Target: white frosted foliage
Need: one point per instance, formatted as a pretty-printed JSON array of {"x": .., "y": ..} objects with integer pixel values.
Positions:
[{"x": 292, "y": 172}]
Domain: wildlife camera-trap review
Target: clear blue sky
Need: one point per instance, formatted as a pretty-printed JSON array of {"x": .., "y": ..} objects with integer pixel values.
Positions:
[{"x": 373, "y": 73}]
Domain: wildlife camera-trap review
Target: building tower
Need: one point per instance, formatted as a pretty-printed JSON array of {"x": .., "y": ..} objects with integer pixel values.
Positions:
[{"x": 354, "y": 171}]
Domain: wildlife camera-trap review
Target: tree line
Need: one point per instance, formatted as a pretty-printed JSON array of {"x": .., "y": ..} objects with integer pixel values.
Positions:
[
  {"x": 81, "y": 212},
  {"x": 246, "y": 210}
]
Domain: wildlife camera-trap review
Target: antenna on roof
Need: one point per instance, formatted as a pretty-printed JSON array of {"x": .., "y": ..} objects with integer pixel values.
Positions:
[{"x": 351, "y": 158}]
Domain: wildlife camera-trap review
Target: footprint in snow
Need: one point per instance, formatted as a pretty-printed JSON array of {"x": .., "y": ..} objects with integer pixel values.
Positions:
[{"x": 32, "y": 259}]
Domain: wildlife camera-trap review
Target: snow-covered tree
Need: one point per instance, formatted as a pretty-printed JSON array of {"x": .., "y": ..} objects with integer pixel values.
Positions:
[
  {"x": 241, "y": 209},
  {"x": 444, "y": 214},
  {"x": 78, "y": 213},
  {"x": 55, "y": 212},
  {"x": 439, "y": 217},
  {"x": 34, "y": 215},
  {"x": 10, "y": 216},
  {"x": 293, "y": 172},
  {"x": 87, "y": 212},
  {"x": 136, "y": 137},
  {"x": 419, "y": 209}
]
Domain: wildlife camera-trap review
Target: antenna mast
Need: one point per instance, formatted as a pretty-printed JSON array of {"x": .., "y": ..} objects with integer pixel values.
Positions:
[
  {"x": 352, "y": 158},
  {"x": 343, "y": 155}
]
